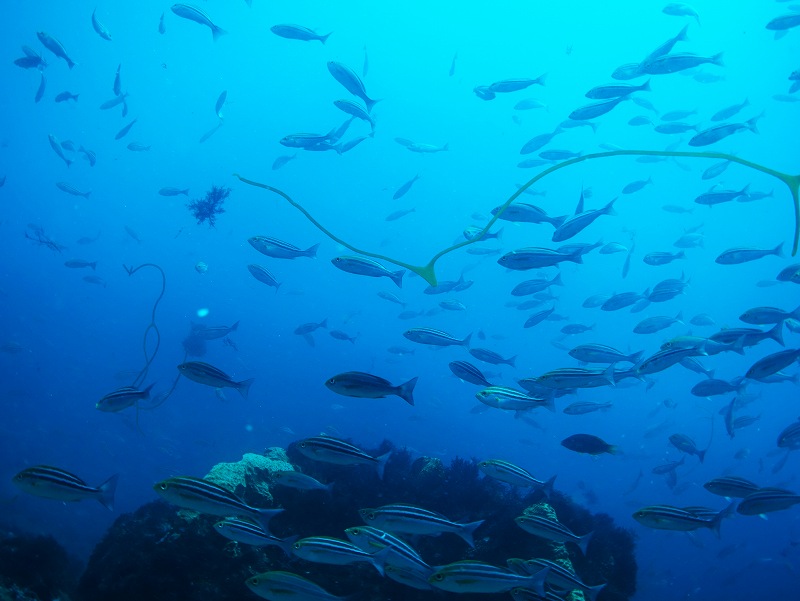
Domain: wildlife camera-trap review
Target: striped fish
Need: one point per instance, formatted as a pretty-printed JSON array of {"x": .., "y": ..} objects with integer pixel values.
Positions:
[
  {"x": 415, "y": 520},
  {"x": 285, "y": 585},
  {"x": 409, "y": 577},
  {"x": 212, "y": 332},
  {"x": 577, "y": 377},
  {"x": 514, "y": 475},
  {"x": 730, "y": 486},
  {"x": 325, "y": 549},
  {"x": 557, "y": 575},
  {"x": 299, "y": 481},
  {"x": 433, "y": 337},
  {"x": 122, "y": 398},
  {"x": 509, "y": 399},
  {"x": 248, "y": 533},
  {"x": 552, "y": 530},
  {"x": 70, "y": 189},
  {"x": 277, "y": 249},
  {"x": 263, "y": 275},
  {"x": 666, "y": 517},
  {"x": 54, "y": 483},
  {"x": 401, "y": 554},
  {"x": 789, "y": 438},
  {"x": 206, "y": 497},
  {"x": 466, "y": 372},
  {"x": 766, "y": 500},
  {"x": 198, "y": 16},
  {"x": 478, "y": 577},
  {"x": 338, "y": 452},
  {"x": 203, "y": 373},
  {"x": 368, "y": 267}
]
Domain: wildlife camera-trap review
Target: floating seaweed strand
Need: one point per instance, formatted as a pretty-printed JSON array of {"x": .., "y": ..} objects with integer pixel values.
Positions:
[
  {"x": 149, "y": 358},
  {"x": 428, "y": 273}
]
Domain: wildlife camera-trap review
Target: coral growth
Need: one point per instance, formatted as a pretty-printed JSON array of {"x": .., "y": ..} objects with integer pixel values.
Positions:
[{"x": 210, "y": 205}]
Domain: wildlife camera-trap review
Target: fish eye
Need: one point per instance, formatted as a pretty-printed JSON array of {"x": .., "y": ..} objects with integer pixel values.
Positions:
[
  {"x": 162, "y": 485},
  {"x": 303, "y": 444},
  {"x": 296, "y": 545},
  {"x": 370, "y": 516},
  {"x": 332, "y": 381},
  {"x": 439, "y": 577},
  {"x": 254, "y": 581}
]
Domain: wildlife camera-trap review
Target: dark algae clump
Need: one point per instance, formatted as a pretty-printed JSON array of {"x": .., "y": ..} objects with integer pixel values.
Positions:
[{"x": 208, "y": 207}]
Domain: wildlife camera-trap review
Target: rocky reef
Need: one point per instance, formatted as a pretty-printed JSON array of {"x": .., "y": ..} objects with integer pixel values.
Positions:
[
  {"x": 161, "y": 553},
  {"x": 35, "y": 568}
]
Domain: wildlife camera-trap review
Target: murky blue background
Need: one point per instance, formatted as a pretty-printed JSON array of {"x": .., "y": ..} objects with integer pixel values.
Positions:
[{"x": 75, "y": 336}]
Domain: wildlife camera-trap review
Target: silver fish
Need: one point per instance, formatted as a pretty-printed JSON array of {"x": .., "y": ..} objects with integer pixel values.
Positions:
[
  {"x": 206, "y": 374},
  {"x": 198, "y": 16},
  {"x": 57, "y": 484}
]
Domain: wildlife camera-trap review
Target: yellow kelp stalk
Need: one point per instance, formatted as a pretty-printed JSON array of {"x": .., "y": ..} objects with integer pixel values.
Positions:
[{"x": 428, "y": 273}]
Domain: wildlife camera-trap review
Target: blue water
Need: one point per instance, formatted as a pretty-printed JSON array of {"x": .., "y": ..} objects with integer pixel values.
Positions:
[{"x": 66, "y": 339}]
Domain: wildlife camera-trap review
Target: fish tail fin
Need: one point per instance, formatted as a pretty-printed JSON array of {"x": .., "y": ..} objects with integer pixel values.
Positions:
[
  {"x": 608, "y": 375},
  {"x": 583, "y": 542},
  {"x": 615, "y": 450},
  {"x": 146, "y": 391},
  {"x": 93, "y": 265},
  {"x": 397, "y": 277},
  {"x": 557, "y": 222},
  {"x": 106, "y": 492},
  {"x": 778, "y": 250},
  {"x": 323, "y": 323},
  {"x": 636, "y": 358},
  {"x": 216, "y": 32},
  {"x": 549, "y": 402},
  {"x": 286, "y": 544},
  {"x": 547, "y": 487},
  {"x": 511, "y": 361},
  {"x": 467, "y": 530},
  {"x": 715, "y": 524},
  {"x": 541, "y": 79},
  {"x": 86, "y": 194},
  {"x": 752, "y": 124},
  {"x": 679, "y": 317},
  {"x": 244, "y": 386},
  {"x": 380, "y": 463},
  {"x": 370, "y": 103},
  {"x": 557, "y": 281},
  {"x": 324, "y": 38},
  {"x": 234, "y": 327},
  {"x": 71, "y": 63},
  {"x": 185, "y": 192},
  {"x": 717, "y": 59},
  {"x": 645, "y": 87},
  {"x": 446, "y": 146},
  {"x": 776, "y": 333},
  {"x": 263, "y": 516},
  {"x": 312, "y": 252},
  {"x": 701, "y": 455},
  {"x": 378, "y": 560},
  {"x": 465, "y": 342},
  {"x": 406, "y": 391},
  {"x": 682, "y": 37},
  {"x": 68, "y": 162},
  {"x": 609, "y": 208},
  {"x": 498, "y": 235},
  {"x": 592, "y": 591}
]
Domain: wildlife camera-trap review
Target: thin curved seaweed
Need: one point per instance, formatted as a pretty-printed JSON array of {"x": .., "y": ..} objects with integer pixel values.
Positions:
[
  {"x": 150, "y": 357},
  {"x": 428, "y": 273}
]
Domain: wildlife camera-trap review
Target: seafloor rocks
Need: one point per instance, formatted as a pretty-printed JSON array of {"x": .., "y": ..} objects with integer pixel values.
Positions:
[
  {"x": 35, "y": 568},
  {"x": 155, "y": 554}
]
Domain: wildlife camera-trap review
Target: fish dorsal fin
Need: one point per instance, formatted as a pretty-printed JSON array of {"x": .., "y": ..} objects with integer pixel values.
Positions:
[{"x": 579, "y": 208}]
